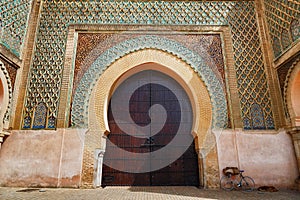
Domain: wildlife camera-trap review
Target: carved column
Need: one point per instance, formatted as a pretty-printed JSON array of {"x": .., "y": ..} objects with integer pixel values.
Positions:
[
  {"x": 295, "y": 133},
  {"x": 99, "y": 153},
  {"x": 201, "y": 168},
  {"x": 2, "y": 135}
]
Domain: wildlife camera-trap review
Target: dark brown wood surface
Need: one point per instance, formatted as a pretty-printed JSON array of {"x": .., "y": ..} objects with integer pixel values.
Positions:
[{"x": 183, "y": 171}]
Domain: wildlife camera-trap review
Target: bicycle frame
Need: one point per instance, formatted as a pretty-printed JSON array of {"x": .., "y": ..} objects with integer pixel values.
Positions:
[
  {"x": 241, "y": 177},
  {"x": 231, "y": 181}
]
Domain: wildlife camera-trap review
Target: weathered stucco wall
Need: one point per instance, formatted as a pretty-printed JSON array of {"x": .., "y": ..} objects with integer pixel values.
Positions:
[
  {"x": 54, "y": 158},
  {"x": 268, "y": 158},
  {"x": 42, "y": 158}
]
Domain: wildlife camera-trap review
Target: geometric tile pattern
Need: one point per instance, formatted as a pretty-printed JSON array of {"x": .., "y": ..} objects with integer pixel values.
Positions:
[
  {"x": 257, "y": 117},
  {"x": 10, "y": 75},
  {"x": 250, "y": 71},
  {"x": 10, "y": 72},
  {"x": 283, "y": 17},
  {"x": 284, "y": 73},
  {"x": 55, "y": 17},
  {"x": 206, "y": 46},
  {"x": 40, "y": 114},
  {"x": 91, "y": 45},
  {"x": 14, "y": 19},
  {"x": 295, "y": 29},
  {"x": 214, "y": 85}
]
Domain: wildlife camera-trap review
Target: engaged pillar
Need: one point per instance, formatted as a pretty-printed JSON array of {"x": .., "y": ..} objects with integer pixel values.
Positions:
[{"x": 295, "y": 133}]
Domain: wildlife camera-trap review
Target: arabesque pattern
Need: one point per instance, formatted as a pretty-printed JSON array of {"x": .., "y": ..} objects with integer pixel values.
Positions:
[
  {"x": 250, "y": 71},
  {"x": 9, "y": 73},
  {"x": 190, "y": 47},
  {"x": 47, "y": 66},
  {"x": 214, "y": 85},
  {"x": 283, "y": 17},
  {"x": 13, "y": 17},
  {"x": 39, "y": 121}
]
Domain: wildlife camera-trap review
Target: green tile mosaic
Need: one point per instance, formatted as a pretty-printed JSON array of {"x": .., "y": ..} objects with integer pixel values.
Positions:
[
  {"x": 283, "y": 17},
  {"x": 56, "y": 16},
  {"x": 13, "y": 23}
]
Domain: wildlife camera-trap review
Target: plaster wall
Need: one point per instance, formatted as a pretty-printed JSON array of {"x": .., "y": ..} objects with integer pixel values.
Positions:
[
  {"x": 268, "y": 158},
  {"x": 54, "y": 158},
  {"x": 42, "y": 158}
]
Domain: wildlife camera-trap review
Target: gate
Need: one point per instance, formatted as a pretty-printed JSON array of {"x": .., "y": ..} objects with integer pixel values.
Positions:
[{"x": 150, "y": 88}]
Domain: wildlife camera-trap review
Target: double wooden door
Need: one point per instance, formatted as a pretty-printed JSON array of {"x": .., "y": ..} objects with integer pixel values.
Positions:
[{"x": 150, "y": 88}]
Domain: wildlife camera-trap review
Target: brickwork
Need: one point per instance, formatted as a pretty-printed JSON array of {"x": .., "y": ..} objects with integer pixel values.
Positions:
[{"x": 137, "y": 193}]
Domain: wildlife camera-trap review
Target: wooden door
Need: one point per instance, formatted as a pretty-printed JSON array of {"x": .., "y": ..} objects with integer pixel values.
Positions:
[{"x": 154, "y": 88}]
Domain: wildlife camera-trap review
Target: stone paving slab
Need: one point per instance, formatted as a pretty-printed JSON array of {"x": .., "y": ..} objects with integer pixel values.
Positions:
[{"x": 139, "y": 193}]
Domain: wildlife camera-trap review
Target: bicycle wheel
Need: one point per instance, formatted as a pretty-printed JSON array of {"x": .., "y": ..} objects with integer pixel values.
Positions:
[
  {"x": 248, "y": 184},
  {"x": 226, "y": 183}
]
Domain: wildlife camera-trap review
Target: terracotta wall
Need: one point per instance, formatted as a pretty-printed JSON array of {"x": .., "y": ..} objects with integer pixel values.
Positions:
[
  {"x": 268, "y": 158},
  {"x": 42, "y": 158}
]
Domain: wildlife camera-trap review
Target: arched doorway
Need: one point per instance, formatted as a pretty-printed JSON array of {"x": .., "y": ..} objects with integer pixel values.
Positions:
[
  {"x": 120, "y": 70},
  {"x": 293, "y": 94},
  {"x": 1, "y": 112},
  {"x": 150, "y": 142},
  {"x": 295, "y": 98},
  {"x": 1, "y": 94}
]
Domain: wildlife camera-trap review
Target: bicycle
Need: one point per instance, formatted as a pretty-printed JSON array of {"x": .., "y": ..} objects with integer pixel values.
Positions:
[{"x": 231, "y": 181}]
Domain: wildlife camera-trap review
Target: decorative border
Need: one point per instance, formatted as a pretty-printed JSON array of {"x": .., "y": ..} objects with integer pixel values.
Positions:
[
  {"x": 10, "y": 91},
  {"x": 56, "y": 16},
  {"x": 283, "y": 23},
  {"x": 83, "y": 91},
  {"x": 285, "y": 89}
]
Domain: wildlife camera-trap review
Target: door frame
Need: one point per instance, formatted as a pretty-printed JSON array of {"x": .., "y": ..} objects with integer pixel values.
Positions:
[
  {"x": 145, "y": 76},
  {"x": 179, "y": 71}
]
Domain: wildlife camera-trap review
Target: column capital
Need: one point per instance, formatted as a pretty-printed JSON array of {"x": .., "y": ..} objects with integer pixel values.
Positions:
[
  {"x": 294, "y": 132},
  {"x": 99, "y": 153},
  {"x": 2, "y": 135}
]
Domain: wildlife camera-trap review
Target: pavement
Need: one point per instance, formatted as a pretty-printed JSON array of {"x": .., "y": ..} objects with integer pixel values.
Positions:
[{"x": 140, "y": 193}]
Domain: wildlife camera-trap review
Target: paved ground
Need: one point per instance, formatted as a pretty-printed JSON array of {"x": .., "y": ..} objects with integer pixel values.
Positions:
[{"x": 140, "y": 193}]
